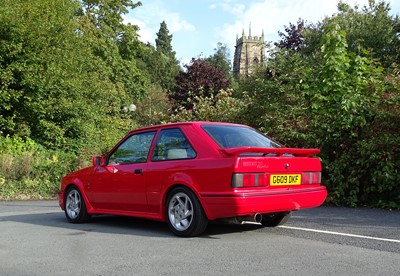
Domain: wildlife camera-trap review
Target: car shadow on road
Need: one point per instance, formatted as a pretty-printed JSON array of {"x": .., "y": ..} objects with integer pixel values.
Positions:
[
  {"x": 120, "y": 225},
  {"x": 215, "y": 229}
]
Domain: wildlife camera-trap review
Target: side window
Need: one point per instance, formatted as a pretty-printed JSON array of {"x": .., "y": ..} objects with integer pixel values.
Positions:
[
  {"x": 134, "y": 149},
  {"x": 171, "y": 145}
]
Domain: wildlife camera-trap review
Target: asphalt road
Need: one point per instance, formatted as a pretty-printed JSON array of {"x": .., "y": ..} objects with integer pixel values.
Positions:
[{"x": 36, "y": 239}]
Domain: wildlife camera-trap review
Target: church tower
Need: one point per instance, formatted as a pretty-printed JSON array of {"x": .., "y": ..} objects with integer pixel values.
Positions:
[{"x": 249, "y": 53}]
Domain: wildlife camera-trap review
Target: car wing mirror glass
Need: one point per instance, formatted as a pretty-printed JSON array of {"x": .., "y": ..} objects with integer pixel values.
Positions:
[{"x": 98, "y": 161}]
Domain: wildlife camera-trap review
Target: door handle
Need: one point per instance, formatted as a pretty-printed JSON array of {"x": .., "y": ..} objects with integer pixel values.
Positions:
[{"x": 138, "y": 171}]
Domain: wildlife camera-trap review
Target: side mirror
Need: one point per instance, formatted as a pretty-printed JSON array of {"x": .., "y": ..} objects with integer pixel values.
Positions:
[{"x": 98, "y": 161}]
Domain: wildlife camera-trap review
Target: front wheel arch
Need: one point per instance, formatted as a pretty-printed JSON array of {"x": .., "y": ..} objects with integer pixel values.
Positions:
[{"x": 74, "y": 205}]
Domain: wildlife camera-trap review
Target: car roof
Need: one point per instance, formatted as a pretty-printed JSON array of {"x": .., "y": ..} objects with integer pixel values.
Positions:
[{"x": 197, "y": 123}]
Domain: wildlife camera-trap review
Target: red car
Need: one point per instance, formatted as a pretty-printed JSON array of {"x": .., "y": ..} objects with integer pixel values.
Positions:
[{"x": 188, "y": 174}]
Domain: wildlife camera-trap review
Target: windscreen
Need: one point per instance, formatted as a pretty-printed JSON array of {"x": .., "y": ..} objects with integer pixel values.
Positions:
[{"x": 238, "y": 136}]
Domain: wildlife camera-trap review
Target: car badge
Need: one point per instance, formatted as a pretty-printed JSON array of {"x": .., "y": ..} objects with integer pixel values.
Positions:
[{"x": 286, "y": 166}]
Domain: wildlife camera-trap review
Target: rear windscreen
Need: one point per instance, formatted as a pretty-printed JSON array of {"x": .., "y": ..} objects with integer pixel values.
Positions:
[{"x": 238, "y": 136}]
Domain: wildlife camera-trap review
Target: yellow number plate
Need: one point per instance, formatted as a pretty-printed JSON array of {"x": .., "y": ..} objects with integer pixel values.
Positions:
[{"x": 285, "y": 179}]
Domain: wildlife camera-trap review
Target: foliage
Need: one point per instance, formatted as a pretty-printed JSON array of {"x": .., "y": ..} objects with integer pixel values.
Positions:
[
  {"x": 292, "y": 39},
  {"x": 221, "y": 59},
  {"x": 152, "y": 109},
  {"x": 28, "y": 171},
  {"x": 166, "y": 65},
  {"x": 58, "y": 71},
  {"x": 116, "y": 44},
  {"x": 343, "y": 103},
  {"x": 220, "y": 108},
  {"x": 334, "y": 95},
  {"x": 278, "y": 105},
  {"x": 199, "y": 79},
  {"x": 16, "y": 145},
  {"x": 159, "y": 63},
  {"x": 67, "y": 67},
  {"x": 345, "y": 92},
  {"x": 163, "y": 41},
  {"x": 370, "y": 27}
]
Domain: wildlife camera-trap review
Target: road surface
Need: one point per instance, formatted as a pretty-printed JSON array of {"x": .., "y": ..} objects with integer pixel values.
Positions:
[{"x": 36, "y": 239}]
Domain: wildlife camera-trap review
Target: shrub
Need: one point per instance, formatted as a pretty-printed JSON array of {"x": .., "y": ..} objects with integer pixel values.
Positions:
[
  {"x": 28, "y": 171},
  {"x": 221, "y": 108}
]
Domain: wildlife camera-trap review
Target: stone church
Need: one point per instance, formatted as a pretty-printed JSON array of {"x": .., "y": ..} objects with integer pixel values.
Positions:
[{"x": 249, "y": 53}]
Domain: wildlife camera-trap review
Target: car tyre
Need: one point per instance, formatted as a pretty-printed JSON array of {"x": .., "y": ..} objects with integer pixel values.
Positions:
[
  {"x": 75, "y": 207},
  {"x": 184, "y": 213},
  {"x": 276, "y": 219}
]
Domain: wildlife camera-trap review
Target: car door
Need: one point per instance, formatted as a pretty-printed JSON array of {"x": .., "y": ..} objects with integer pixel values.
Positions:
[
  {"x": 171, "y": 157},
  {"x": 121, "y": 184}
]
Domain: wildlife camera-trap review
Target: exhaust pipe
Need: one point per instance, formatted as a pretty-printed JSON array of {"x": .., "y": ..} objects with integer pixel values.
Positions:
[{"x": 257, "y": 217}]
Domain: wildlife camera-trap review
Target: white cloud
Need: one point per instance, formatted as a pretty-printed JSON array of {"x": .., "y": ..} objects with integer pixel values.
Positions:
[
  {"x": 229, "y": 6},
  {"x": 149, "y": 16},
  {"x": 175, "y": 23},
  {"x": 272, "y": 15}
]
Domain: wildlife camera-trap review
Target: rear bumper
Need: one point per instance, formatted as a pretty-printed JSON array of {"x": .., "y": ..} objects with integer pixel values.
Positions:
[{"x": 224, "y": 205}]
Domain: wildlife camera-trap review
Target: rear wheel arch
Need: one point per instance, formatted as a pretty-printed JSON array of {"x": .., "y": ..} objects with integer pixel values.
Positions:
[
  {"x": 184, "y": 212},
  {"x": 171, "y": 188}
]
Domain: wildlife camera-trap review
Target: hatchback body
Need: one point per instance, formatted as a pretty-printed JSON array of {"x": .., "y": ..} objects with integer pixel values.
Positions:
[{"x": 188, "y": 174}]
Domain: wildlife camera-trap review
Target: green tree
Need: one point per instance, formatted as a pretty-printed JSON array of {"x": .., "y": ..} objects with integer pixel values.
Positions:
[
  {"x": 57, "y": 87},
  {"x": 164, "y": 40},
  {"x": 278, "y": 104},
  {"x": 344, "y": 93},
  {"x": 114, "y": 42},
  {"x": 164, "y": 64},
  {"x": 338, "y": 98},
  {"x": 221, "y": 59},
  {"x": 349, "y": 122},
  {"x": 370, "y": 27},
  {"x": 159, "y": 62}
]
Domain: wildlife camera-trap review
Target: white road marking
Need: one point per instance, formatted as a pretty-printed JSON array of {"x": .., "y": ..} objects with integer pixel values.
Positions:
[{"x": 339, "y": 234}]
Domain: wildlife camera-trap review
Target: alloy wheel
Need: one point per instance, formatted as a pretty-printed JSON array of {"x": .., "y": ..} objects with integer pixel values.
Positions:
[
  {"x": 180, "y": 211},
  {"x": 73, "y": 204}
]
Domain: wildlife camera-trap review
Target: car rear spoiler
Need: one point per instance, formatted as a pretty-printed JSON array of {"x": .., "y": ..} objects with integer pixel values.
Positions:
[{"x": 276, "y": 151}]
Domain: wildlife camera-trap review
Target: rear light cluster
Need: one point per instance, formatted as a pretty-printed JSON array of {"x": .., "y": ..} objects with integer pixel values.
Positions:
[
  {"x": 243, "y": 180},
  {"x": 240, "y": 180},
  {"x": 311, "y": 178}
]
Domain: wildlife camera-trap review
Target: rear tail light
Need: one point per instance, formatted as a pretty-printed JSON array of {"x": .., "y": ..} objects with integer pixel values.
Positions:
[
  {"x": 311, "y": 178},
  {"x": 243, "y": 180},
  {"x": 240, "y": 180}
]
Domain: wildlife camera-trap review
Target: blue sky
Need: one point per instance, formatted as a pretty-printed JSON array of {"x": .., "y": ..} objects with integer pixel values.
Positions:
[{"x": 198, "y": 25}]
